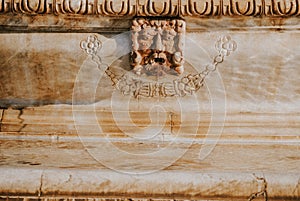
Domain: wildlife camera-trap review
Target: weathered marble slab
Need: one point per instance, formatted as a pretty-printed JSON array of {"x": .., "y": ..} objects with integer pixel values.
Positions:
[
  {"x": 65, "y": 131},
  {"x": 261, "y": 76},
  {"x": 65, "y": 168},
  {"x": 260, "y": 80},
  {"x": 181, "y": 185}
]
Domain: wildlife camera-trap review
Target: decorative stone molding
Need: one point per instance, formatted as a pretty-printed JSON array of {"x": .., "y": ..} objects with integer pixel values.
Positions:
[
  {"x": 158, "y": 7},
  {"x": 75, "y": 7},
  {"x": 116, "y": 7},
  {"x": 204, "y": 8},
  {"x": 130, "y": 8}
]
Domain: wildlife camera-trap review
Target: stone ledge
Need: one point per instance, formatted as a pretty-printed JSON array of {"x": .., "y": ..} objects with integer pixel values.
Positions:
[
  {"x": 174, "y": 185},
  {"x": 36, "y": 167}
]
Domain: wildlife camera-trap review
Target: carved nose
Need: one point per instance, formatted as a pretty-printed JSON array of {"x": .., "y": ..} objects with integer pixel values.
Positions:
[{"x": 158, "y": 43}]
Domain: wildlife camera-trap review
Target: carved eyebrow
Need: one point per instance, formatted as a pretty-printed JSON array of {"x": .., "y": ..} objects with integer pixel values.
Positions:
[
  {"x": 171, "y": 32},
  {"x": 152, "y": 33},
  {"x": 147, "y": 32}
]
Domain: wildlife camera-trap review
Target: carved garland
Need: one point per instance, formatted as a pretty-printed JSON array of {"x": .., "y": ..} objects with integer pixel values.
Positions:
[
  {"x": 130, "y": 8},
  {"x": 136, "y": 87}
]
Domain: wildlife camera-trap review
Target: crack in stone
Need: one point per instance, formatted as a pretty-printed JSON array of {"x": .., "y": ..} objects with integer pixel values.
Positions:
[
  {"x": 297, "y": 187},
  {"x": 1, "y": 119},
  {"x": 263, "y": 191},
  {"x": 41, "y": 185},
  {"x": 21, "y": 120},
  {"x": 171, "y": 114},
  {"x": 69, "y": 179}
]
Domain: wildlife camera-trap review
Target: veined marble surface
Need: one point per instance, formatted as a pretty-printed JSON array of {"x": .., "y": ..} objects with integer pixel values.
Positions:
[
  {"x": 261, "y": 76},
  {"x": 64, "y": 132}
]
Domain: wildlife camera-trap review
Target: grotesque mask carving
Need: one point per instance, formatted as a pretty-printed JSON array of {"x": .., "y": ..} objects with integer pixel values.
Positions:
[{"x": 157, "y": 46}]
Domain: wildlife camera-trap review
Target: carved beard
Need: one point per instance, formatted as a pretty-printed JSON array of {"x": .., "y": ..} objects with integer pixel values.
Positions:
[{"x": 158, "y": 64}]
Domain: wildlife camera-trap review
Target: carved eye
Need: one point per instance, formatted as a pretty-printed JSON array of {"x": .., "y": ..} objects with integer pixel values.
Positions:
[
  {"x": 168, "y": 38},
  {"x": 145, "y": 37}
]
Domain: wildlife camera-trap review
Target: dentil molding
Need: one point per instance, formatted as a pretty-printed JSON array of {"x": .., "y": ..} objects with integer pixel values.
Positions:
[{"x": 174, "y": 8}]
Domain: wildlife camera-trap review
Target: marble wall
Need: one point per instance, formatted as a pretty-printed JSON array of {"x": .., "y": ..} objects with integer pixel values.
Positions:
[{"x": 63, "y": 92}]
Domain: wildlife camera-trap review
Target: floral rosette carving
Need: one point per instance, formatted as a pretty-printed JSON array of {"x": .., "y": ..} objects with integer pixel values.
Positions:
[
  {"x": 225, "y": 45},
  {"x": 127, "y": 85},
  {"x": 91, "y": 45}
]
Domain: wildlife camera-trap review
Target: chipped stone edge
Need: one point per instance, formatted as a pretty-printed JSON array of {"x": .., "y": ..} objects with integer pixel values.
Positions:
[{"x": 163, "y": 184}]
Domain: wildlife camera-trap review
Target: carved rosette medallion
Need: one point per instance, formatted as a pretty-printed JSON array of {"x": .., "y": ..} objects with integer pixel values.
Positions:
[{"x": 158, "y": 46}]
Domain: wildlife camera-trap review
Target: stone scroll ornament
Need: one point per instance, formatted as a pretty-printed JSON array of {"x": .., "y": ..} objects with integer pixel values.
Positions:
[{"x": 153, "y": 60}]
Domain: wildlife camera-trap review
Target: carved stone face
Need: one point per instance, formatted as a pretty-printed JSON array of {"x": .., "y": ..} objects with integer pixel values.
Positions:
[{"x": 157, "y": 46}]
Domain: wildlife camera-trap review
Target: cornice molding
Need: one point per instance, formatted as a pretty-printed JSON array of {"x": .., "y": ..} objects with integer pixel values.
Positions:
[{"x": 170, "y": 8}]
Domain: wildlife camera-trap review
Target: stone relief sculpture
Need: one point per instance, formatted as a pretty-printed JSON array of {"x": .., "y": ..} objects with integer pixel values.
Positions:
[
  {"x": 131, "y": 8},
  {"x": 133, "y": 86},
  {"x": 157, "y": 46}
]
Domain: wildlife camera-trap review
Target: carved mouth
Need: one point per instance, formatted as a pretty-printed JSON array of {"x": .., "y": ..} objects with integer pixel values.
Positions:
[{"x": 159, "y": 60}]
